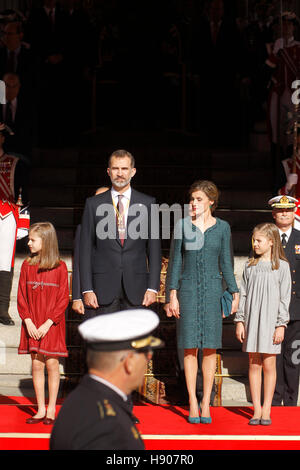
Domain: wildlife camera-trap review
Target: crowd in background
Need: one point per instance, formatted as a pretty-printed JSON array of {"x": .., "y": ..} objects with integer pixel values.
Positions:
[{"x": 174, "y": 64}]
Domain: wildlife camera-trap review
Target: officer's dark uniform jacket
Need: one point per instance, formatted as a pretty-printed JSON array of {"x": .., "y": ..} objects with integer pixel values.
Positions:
[
  {"x": 292, "y": 252},
  {"x": 95, "y": 417}
]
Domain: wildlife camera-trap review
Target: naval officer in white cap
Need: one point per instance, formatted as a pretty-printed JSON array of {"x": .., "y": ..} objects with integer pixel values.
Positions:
[
  {"x": 288, "y": 369},
  {"x": 96, "y": 415}
]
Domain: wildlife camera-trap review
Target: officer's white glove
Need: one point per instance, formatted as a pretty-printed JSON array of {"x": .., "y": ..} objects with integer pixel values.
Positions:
[
  {"x": 292, "y": 179},
  {"x": 21, "y": 233},
  {"x": 279, "y": 44}
]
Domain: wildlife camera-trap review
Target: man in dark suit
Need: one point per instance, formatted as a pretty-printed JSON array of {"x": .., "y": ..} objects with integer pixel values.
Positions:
[
  {"x": 16, "y": 56},
  {"x": 120, "y": 252},
  {"x": 18, "y": 115},
  {"x": 46, "y": 32},
  {"x": 96, "y": 415},
  {"x": 287, "y": 385}
]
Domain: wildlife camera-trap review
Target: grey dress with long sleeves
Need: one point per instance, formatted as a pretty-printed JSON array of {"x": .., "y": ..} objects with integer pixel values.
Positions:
[{"x": 265, "y": 296}]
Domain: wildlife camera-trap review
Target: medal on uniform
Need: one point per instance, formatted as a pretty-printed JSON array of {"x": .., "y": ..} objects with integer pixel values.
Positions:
[{"x": 297, "y": 249}]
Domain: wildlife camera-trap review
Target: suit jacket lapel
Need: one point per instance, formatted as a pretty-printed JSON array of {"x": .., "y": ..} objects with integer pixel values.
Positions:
[{"x": 107, "y": 199}]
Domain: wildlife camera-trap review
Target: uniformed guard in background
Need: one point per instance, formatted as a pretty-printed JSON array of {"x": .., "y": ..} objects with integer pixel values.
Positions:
[
  {"x": 96, "y": 415},
  {"x": 287, "y": 384},
  {"x": 14, "y": 220}
]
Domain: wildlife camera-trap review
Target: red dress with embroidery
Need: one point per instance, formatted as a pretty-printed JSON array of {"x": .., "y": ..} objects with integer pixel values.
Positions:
[{"x": 43, "y": 295}]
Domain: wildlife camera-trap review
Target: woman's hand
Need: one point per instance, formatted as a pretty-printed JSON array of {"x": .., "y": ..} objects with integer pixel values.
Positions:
[
  {"x": 167, "y": 310},
  {"x": 174, "y": 304},
  {"x": 278, "y": 336},
  {"x": 44, "y": 328},
  {"x": 240, "y": 332},
  {"x": 31, "y": 329}
]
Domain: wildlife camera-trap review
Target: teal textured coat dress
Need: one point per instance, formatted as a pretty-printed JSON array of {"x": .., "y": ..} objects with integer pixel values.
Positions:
[{"x": 198, "y": 263}]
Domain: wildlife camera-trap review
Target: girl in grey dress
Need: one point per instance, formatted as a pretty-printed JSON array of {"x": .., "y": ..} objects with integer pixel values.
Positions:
[{"x": 263, "y": 314}]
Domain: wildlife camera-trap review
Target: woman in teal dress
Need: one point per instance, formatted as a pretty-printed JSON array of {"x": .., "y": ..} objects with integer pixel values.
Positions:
[{"x": 200, "y": 258}]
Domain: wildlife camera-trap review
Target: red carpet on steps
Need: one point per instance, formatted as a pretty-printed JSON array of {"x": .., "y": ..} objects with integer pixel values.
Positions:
[{"x": 165, "y": 427}]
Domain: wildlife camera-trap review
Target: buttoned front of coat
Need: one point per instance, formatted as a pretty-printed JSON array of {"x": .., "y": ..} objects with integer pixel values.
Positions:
[{"x": 198, "y": 263}]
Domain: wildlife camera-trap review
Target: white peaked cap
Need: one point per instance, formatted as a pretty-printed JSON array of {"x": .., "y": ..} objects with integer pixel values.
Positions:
[{"x": 127, "y": 329}]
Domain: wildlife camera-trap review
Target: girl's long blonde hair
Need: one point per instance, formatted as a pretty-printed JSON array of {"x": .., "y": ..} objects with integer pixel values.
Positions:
[
  {"x": 270, "y": 231},
  {"x": 48, "y": 257}
]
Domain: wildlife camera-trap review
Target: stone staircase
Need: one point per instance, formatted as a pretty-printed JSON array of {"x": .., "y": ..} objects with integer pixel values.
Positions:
[
  {"x": 63, "y": 178},
  {"x": 15, "y": 370}
]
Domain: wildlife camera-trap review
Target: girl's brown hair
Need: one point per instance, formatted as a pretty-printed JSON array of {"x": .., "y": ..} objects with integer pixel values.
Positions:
[
  {"x": 210, "y": 190},
  {"x": 48, "y": 257},
  {"x": 270, "y": 231}
]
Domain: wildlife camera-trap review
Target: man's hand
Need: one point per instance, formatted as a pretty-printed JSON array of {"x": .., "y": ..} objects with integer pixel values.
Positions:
[
  {"x": 149, "y": 298},
  {"x": 78, "y": 307},
  {"x": 90, "y": 300}
]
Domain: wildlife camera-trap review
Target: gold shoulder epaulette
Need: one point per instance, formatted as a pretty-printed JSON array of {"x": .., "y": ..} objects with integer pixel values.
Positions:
[
  {"x": 101, "y": 410},
  {"x": 109, "y": 411},
  {"x": 135, "y": 432}
]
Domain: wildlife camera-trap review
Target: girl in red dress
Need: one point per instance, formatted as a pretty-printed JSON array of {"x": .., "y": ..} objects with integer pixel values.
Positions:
[{"x": 43, "y": 297}]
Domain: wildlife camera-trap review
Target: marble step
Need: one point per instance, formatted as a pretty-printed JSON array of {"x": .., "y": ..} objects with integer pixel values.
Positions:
[
  {"x": 236, "y": 392},
  {"x": 234, "y": 363},
  {"x": 12, "y": 362},
  {"x": 12, "y": 385},
  {"x": 241, "y": 160},
  {"x": 58, "y": 216},
  {"x": 15, "y": 369},
  {"x": 62, "y": 158},
  {"x": 61, "y": 215},
  {"x": 153, "y": 154},
  {"x": 236, "y": 197},
  {"x": 156, "y": 174},
  {"x": 245, "y": 219},
  {"x": 53, "y": 175}
]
